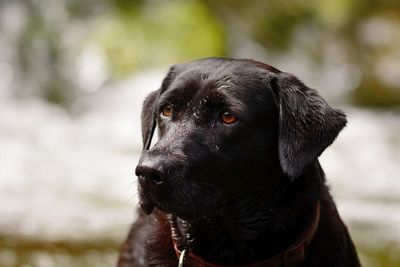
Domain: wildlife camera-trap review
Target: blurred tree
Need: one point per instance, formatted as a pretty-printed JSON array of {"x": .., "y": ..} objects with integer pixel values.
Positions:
[
  {"x": 58, "y": 48},
  {"x": 159, "y": 32},
  {"x": 57, "y": 44},
  {"x": 358, "y": 34},
  {"x": 45, "y": 39}
]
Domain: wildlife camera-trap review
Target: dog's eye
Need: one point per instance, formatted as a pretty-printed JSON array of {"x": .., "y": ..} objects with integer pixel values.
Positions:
[
  {"x": 166, "y": 111},
  {"x": 228, "y": 118}
]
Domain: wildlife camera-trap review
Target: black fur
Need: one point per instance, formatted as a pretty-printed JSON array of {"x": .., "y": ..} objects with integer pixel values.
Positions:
[{"x": 235, "y": 193}]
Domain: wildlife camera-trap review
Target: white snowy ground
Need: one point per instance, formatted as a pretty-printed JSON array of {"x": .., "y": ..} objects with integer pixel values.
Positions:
[{"x": 66, "y": 177}]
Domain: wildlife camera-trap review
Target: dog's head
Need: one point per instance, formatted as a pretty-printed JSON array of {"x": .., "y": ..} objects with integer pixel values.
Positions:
[{"x": 228, "y": 128}]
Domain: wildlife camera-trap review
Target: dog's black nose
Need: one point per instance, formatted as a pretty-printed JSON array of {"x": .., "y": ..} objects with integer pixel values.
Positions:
[{"x": 150, "y": 172}]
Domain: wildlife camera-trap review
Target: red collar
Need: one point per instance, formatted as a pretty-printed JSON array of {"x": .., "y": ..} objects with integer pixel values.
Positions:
[{"x": 292, "y": 256}]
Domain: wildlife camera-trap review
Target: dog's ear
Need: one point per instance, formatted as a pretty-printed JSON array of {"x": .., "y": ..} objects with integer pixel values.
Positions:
[
  {"x": 149, "y": 110},
  {"x": 307, "y": 124}
]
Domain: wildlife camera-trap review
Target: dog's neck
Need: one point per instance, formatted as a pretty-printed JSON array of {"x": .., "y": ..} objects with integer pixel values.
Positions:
[{"x": 249, "y": 229}]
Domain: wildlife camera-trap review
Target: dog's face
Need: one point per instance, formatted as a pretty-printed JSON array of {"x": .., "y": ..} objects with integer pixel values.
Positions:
[{"x": 228, "y": 128}]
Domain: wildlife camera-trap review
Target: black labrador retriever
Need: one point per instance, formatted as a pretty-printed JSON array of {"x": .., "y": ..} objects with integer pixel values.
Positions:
[{"x": 234, "y": 179}]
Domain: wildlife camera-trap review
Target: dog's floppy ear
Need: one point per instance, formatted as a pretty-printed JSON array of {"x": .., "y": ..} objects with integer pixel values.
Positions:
[
  {"x": 148, "y": 115},
  {"x": 149, "y": 111},
  {"x": 307, "y": 124}
]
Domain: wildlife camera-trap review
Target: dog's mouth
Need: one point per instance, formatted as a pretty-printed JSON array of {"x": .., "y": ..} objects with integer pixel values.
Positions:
[
  {"x": 146, "y": 205},
  {"x": 187, "y": 201}
]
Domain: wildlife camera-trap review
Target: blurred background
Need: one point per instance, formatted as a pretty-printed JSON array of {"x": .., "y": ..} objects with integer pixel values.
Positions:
[{"x": 73, "y": 75}]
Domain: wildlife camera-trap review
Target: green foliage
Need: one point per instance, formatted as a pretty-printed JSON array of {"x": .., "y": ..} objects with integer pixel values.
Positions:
[
  {"x": 275, "y": 27},
  {"x": 17, "y": 251},
  {"x": 342, "y": 32},
  {"x": 373, "y": 94},
  {"x": 387, "y": 256},
  {"x": 160, "y": 33},
  {"x": 135, "y": 34}
]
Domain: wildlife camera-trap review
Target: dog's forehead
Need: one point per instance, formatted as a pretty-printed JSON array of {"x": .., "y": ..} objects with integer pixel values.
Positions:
[{"x": 235, "y": 78}]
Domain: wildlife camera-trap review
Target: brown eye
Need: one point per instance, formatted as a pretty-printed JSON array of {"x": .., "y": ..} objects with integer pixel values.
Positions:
[
  {"x": 166, "y": 111},
  {"x": 228, "y": 118}
]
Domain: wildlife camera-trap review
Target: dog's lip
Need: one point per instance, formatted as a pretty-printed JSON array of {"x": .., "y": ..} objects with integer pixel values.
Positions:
[
  {"x": 146, "y": 203},
  {"x": 146, "y": 206},
  {"x": 160, "y": 197}
]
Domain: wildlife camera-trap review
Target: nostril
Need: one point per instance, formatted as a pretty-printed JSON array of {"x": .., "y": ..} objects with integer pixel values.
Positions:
[
  {"x": 140, "y": 177},
  {"x": 150, "y": 174},
  {"x": 139, "y": 173},
  {"x": 156, "y": 178}
]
